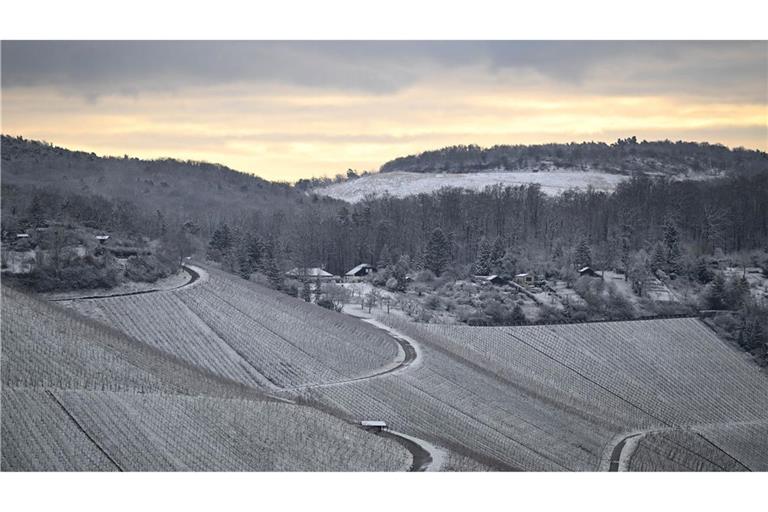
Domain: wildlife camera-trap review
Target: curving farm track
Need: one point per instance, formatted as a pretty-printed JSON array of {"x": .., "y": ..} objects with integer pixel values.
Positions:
[
  {"x": 194, "y": 276},
  {"x": 426, "y": 457}
]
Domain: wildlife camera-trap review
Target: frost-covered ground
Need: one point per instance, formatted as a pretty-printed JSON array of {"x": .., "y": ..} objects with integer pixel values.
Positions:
[{"x": 401, "y": 184}]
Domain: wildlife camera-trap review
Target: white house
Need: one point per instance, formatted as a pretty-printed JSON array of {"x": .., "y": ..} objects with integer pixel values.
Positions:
[{"x": 310, "y": 273}]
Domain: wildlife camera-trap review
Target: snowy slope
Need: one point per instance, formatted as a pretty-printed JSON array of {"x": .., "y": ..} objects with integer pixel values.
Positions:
[{"x": 401, "y": 184}]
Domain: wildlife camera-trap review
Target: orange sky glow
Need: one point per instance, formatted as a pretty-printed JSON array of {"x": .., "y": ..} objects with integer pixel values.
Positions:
[{"x": 283, "y": 129}]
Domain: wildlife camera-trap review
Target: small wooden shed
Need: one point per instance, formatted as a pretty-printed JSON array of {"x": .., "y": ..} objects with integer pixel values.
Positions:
[
  {"x": 374, "y": 425},
  {"x": 525, "y": 279}
]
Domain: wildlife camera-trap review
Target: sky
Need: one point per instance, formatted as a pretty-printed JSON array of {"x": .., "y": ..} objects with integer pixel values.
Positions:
[{"x": 289, "y": 110}]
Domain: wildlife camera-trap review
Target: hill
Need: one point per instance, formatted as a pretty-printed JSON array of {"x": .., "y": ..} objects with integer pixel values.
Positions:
[
  {"x": 181, "y": 376},
  {"x": 79, "y": 396},
  {"x": 555, "y": 167},
  {"x": 247, "y": 333},
  {"x": 561, "y": 397},
  {"x": 626, "y": 156},
  {"x": 194, "y": 191}
]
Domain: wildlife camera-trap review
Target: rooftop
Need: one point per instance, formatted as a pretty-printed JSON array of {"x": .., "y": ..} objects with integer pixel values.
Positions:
[
  {"x": 312, "y": 272},
  {"x": 373, "y": 423},
  {"x": 359, "y": 268}
]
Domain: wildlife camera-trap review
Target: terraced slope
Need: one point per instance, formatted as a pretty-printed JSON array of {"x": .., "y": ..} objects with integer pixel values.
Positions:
[
  {"x": 745, "y": 442},
  {"x": 556, "y": 397},
  {"x": 249, "y": 333},
  {"x": 80, "y": 396},
  {"x": 678, "y": 450},
  {"x": 676, "y": 371}
]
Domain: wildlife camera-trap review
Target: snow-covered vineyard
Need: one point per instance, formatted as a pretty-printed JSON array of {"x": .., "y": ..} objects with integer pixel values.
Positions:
[{"x": 228, "y": 375}]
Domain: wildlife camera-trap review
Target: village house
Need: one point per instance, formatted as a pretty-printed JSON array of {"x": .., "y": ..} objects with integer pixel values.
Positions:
[
  {"x": 587, "y": 271},
  {"x": 359, "y": 271},
  {"x": 310, "y": 273},
  {"x": 493, "y": 279}
]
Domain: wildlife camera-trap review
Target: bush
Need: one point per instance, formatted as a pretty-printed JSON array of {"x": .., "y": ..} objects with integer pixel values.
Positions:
[
  {"x": 433, "y": 302},
  {"x": 80, "y": 276},
  {"x": 292, "y": 287},
  {"x": 424, "y": 276},
  {"x": 146, "y": 269},
  {"x": 260, "y": 278},
  {"x": 327, "y": 304}
]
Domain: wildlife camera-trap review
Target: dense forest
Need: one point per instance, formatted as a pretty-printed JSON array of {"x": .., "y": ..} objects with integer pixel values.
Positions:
[
  {"x": 728, "y": 214},
  {"x": 183, "y": 191},
  {"x": 626, "y": 156}
]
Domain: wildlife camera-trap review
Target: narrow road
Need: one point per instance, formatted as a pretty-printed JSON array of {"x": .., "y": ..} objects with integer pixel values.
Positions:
[
  {"x": 618, "y": 449},
  {"x": 426, "y": 457},
  {"x": 194, "y": 275},
  {"x": 423, "y": 459},
  {"x": 616, "y": 453},
  {"x": 407, "y": 354}
]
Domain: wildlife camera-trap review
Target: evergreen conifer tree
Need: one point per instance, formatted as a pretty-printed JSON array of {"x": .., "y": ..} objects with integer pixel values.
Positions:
[
  {"x": 437, "y": 255},
  {"x": 482, "y": 266},
  {"x": 583, "y": 256}
]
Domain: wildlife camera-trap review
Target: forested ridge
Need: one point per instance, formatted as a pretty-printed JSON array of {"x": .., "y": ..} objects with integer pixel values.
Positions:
[
  {"x": 625, "y": 156},
  {"x": 727, "y": 214}
]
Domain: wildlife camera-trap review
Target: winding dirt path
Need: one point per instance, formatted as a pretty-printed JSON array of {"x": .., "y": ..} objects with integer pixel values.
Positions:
[
  {"x": 194, "y": 275},
  {"x": 618, "y": 455},
  {"x": 426, "y": 456},
  {"x": 617, "y": 452},
  {"x": 407, "y": 355}
]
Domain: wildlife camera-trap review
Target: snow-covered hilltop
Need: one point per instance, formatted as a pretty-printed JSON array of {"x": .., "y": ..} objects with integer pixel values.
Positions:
[
  {"x": 401, "y": 184},
  {"x": 555, "y": 167}
]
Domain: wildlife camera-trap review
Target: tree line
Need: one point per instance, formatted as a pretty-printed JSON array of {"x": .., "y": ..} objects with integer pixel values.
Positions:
[{"x": 624, "y": 156}]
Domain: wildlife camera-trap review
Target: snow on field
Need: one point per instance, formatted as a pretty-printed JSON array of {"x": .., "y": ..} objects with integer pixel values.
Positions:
[
  {"x": 248, "y": 333},
  {"x": 553, "y": 397},
  {"x": 401, "y": 184},
  {"x": 79, "y": 396},
  {"x": 682, "y": 450}
]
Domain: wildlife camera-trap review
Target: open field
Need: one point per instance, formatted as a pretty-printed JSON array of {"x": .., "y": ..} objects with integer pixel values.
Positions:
[
  {"x": 401, "y": 184},
  {"x": 81, "y": 396}
]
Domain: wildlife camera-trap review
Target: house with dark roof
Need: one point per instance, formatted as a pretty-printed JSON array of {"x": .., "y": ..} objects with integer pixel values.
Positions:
[
  {"x": 493, "y": 279},
  {"x": 361, "y": 270},
  {"x": 587, "y": 271}
]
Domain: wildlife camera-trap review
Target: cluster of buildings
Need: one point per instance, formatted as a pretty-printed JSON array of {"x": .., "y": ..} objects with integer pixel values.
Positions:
[
  {"x": 525, "y": 279},
  {"x": 23, "y": 252},
  {"x": 316, "y": 273}
]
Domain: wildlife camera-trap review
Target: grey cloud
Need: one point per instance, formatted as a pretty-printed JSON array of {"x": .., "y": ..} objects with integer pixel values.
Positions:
[{"x": 93, "y": 68}]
